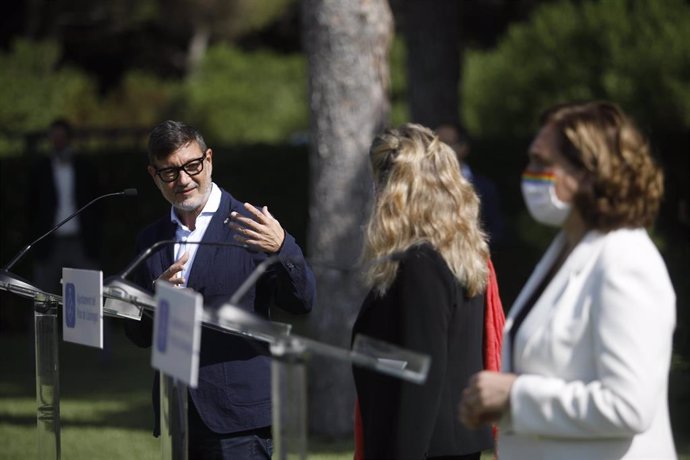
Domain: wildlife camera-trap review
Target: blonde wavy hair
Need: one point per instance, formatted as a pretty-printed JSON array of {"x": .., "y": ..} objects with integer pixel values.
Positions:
[
  {"x": 623, "y": 185},
  {"x": 421, "y": 197}
]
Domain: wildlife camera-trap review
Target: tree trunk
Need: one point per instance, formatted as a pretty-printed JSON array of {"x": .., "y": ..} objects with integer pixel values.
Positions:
[
  {"x": 347, "y": 45},
  {"x": 433, "y": 60}
]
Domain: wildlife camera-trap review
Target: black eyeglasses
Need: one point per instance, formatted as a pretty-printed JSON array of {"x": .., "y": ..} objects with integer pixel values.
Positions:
[{"x": 192, "y": 168}]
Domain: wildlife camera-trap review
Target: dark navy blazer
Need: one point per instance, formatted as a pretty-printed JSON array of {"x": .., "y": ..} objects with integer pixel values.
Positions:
[{"x": 234, "y": 391}]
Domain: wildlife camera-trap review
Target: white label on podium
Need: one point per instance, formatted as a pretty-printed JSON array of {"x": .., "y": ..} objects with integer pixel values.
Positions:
[
  {"x": 177, "y": 332},
  {"x": 82, "y": 307}
]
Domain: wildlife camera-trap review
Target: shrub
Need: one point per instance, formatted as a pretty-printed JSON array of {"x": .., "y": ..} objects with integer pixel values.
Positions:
[
  {"x": 636, "y": 53},
  {"x": 34, "y": 92},
  {"x": 238, "y": 97}
]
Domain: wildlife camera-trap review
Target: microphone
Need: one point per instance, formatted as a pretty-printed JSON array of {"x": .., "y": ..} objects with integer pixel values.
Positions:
[
  {"x": 158, "y": 244},
  {"x": 252, "y": 279},
  {"x": 125, "y": 192},
  {"x": 126, "y": 299},
  {"x": 121, "y": 292}
]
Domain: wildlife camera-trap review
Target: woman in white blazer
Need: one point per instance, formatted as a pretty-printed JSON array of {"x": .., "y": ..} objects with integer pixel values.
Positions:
[{"x": 587, "y": 343}]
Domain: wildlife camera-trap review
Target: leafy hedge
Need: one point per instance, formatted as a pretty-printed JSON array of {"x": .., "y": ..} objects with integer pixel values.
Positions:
[
  {"x": 636, "y": 53},
  {"x": 234, "y": 97},
  {"x": 239, "y": 97},
  {"x": 34, "y": 92}
]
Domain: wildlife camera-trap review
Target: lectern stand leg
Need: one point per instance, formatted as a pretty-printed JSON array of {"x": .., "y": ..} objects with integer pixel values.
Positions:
[
  {"x": 174, "y": 429},
  {"x": 288, "y": 381},
  {"x": 47, "y": 381}
]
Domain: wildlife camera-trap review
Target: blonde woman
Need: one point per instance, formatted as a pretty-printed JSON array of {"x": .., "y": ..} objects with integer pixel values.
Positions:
[
  {"x": 431, "y": 299},
  {"x": 587, "y": 343}
]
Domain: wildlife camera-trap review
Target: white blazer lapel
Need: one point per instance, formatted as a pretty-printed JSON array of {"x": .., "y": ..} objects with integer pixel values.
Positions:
[
  {"x": 535, "y": 278},
  {"x": 564, "y": 284}
]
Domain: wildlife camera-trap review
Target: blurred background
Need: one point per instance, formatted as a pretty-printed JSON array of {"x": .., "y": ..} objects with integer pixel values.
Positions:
[{"x": 282, "y": 91}]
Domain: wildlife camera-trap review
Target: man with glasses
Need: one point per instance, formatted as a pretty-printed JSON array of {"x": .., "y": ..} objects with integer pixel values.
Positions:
[{"x": 230, "y": 410}]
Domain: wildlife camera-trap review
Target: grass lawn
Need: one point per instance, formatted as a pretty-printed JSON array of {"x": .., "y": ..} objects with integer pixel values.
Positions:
[{"x": 105, "y": 404}]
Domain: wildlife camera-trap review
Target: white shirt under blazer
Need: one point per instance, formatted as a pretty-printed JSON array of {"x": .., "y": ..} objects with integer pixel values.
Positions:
[{"x": 593, "y": 355}]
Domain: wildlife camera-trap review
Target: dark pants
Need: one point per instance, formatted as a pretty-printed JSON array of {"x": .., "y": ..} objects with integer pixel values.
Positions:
[
  {"x": 232, "y": 446},
  {"x": 204, "y": 444},
  {"x": 474, "y": 456}
]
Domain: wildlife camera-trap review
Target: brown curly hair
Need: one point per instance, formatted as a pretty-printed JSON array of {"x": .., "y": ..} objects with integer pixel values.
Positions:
[{"x": 623, "y": 185}]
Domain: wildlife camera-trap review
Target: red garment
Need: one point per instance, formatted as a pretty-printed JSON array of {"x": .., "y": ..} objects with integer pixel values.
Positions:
[
  {"x": 359, "y": 433},
  {"x": 494, "y": 319}
]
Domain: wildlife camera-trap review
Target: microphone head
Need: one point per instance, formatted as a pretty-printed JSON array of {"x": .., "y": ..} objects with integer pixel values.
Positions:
[{"x": 130, "y": 192}]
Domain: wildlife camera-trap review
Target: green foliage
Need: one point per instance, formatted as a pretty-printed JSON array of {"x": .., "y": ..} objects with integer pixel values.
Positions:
[
  {"x": 140, "y": 100},
  {"x": 636, "y": 53},
  {"x": 247, "y": 97},
  {"x": 398, "y": 91},
  {"x": 228, "y": 19},
  {"x": 252, "y": 15},
  {"x": 235, "y": 97},
  {"x": 33, "y": 92}
]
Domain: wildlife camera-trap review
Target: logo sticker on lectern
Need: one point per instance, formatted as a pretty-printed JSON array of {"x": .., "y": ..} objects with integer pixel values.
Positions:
[
  {"x": 70, "y": 304},
  {"x": 163, "y": 316}
]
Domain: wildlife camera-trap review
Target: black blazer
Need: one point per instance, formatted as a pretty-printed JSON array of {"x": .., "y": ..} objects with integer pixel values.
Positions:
[
  {"x": 425, "y": 310},
  {"x": 234, "y": 392},
  {"x": 43, "y": 204}
]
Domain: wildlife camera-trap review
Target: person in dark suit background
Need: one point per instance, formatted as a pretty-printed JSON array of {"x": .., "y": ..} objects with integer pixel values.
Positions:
[
  {"x": 230, "y": 410},
  {"x": 458, "y": 139},
  {"x": 68, "y": 182},
  {"x": 431, "y": 300}
]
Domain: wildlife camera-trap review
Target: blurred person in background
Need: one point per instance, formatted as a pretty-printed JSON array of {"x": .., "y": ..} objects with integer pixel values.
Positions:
[
  {"x": 67, "y": 182},
  {"x": 457, "y": 138},
  {"x": 429, "y": 272},
  {"x": 588, "y": 342}
]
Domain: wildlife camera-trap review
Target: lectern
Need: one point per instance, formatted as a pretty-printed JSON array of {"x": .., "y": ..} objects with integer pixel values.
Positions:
[{"x": 47, "y": 364}]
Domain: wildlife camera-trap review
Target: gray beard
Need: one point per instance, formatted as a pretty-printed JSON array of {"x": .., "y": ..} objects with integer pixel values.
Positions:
[{"x": 191, "y": 207}]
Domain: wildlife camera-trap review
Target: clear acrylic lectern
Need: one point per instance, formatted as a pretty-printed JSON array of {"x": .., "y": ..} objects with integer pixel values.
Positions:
[
  {"x": 288, "y": 370},
  {"x": 47, "y": 364},
  {"x": 290, "y": 354}
]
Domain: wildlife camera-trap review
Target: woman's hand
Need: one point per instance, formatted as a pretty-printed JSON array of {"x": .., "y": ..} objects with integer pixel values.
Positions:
[{"x": 486, "y": 398}]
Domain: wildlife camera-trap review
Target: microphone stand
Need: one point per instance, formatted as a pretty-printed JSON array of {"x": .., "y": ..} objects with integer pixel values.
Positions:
[
  {"x": 128, "y": 300},
  {"x": 290, "y": 354},
  {"x": 47, "y": 362},
  {"x": 126, "y": 192},
  {"x": 45, "y": 343}
]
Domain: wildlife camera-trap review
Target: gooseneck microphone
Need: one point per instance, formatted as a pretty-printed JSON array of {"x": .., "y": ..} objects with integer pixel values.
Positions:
[
  {"x": 145, "y": 254},
  {"x": 252, "y": 279},
  {"x": 125, "y": 192},
  {"x": 121, "y": 291},
  {"x": 230, "y": 316}
]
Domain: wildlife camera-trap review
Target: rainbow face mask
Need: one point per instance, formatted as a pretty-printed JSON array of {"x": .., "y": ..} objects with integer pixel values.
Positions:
[{"x": 539, "y": 193}]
